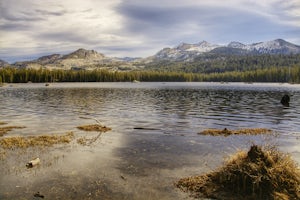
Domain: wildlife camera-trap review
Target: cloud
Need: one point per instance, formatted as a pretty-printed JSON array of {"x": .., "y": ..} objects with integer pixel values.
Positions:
[
  {"x": 213, "y": 20},
  {"x": 140, "y": 27},
  {"x": 54, "y": 25}
]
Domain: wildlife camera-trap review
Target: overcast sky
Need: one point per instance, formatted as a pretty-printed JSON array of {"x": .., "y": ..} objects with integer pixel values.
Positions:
[{"x": 139, "y": 28}]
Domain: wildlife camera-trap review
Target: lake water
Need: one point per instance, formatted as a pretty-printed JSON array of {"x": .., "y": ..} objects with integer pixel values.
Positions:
[{"x": 153, "y": 141}]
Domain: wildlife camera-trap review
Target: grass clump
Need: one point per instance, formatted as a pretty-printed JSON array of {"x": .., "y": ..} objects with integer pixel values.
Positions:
[
  {"x": 88, "y": 141},
  {"x": 227, "y": 132},
  {"x": 31, "y": 141},
  {"x": 82, "y": 141},
  {"x": 4, "y": 130},
  {"x": 94, "y": 127},
  {"x": 256, "y": 174},
  {"x": 2, "y": 154}
]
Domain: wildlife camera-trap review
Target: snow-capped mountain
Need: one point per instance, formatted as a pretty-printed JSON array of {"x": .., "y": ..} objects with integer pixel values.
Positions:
[
  {"x": 199, "y": 47},
  {"x": 184, "y": 51},
  {"x": 278, "y": 46},
  {"x": 236, "y": 45},
  {"x": 188, "y": 52}
]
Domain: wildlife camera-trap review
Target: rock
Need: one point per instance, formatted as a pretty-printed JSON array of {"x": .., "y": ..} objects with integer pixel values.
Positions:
[{"x": 285, "y": 100}]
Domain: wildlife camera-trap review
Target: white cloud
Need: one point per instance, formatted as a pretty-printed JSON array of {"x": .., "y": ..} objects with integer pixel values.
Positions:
[
  {"x": 140, "y": 27},
  {"x": 79, "y": 23}
]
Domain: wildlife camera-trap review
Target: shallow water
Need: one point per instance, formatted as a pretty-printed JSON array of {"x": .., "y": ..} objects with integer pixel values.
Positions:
[{"x": 153, "y": 141}]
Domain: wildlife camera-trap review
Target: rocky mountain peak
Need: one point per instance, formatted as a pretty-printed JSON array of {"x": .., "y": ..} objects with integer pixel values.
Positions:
[
  {"x": 188, "y": 52},
  {"x": 84, "y": 54},
  {"x": 278, "y": 46},
  {"x": 49, "y": 58},
  {"x": 183, "y": 46},
  {"x": 236, "y": 45},
  {"x": 204, "y": 43}
]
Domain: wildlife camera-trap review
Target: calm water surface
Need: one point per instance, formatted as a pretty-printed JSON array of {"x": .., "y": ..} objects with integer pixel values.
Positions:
[{"x": 143, "y": 163}]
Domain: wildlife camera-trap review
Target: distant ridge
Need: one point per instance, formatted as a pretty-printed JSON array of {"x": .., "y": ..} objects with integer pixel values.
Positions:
[
  {"x": 3, "y": 63},
  {"x": 84, "y": 54},
  {"x": 184, "y": 52}
]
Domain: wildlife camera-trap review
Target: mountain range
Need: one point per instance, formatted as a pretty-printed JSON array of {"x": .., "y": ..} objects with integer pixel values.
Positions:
[
  {"x": 188, "y": 52},
  {"x": 184, "y": 52}
]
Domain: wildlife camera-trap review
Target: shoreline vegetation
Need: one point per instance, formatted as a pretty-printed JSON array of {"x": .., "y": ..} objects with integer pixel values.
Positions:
[
  {"x": 260, "y": 173},
  {"x": 226, "y": 132},
  {"x": 272, "y": 74},
  {"x": 4, "y": 130},
  {"x": 47, "y": 140},
  {"x": 31, "y": 141},
  {"x": 94, "y": 127}
]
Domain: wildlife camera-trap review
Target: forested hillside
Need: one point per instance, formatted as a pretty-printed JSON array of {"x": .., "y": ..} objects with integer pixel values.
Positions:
[
  {"x": 270, "y": 74},
  {"x": 212, "y": 63}
]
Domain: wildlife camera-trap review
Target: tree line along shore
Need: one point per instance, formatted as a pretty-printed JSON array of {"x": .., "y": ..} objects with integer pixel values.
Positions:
[{"x": 272, "y": 74}]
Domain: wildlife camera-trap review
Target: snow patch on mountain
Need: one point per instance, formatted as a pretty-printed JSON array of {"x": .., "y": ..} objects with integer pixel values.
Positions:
[{"x": 187, "y": 52}]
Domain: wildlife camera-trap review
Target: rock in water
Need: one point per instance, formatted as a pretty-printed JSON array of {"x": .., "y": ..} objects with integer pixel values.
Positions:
[{"x": 285, "y": 100}]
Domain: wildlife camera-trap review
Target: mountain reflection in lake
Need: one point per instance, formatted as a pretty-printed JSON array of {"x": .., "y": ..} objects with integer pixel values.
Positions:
[{"x": 153, "y": 141}]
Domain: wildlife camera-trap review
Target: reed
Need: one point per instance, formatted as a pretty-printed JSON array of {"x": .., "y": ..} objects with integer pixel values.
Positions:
[
  {"x": 31, "y": 141},
  {"x": 227, "y": 132},
  {"x": 256, "y": 174},
  {"x": 6, "y": 129},
  {"x": 2, "y": 154},
  {"x": 94, "y": 127}
]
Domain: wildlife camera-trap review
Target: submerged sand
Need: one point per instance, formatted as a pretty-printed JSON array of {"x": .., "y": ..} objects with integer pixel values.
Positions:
[{"x": 79, "y": 173}]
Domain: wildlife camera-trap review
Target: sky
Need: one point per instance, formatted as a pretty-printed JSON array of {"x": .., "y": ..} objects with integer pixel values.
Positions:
[{"x": 139, "y": 28}]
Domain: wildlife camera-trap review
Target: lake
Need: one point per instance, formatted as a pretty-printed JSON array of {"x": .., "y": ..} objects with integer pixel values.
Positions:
[{"x": 153, "y": 141}]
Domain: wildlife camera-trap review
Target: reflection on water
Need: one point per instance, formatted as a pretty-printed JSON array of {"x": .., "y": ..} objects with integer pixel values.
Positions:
[{"x": 128, "y": 163}]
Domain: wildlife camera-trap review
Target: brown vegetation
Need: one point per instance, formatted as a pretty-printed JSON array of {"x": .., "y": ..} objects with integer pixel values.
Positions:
[
  {"x": 30, "y": 141},
  {"x": 227, "y": 132},
  {"x": 88, "y": 141},
  {"x": 4, "y": 130},
  {"x": 3, "y": 123},
  {"x": 256, "y": 174},
  {"x": 2, "y": 154},
  {"x": 94, "y": 127}
]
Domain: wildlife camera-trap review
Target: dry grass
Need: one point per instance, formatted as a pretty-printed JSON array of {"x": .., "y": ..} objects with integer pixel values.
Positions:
[
  {"x": 43, "y": 140},
  {"x": 2, "y": 154},
  {"x": 94, "y": 127},
  {"x": 227, "y": 132},
  {"x": 256, "y": 174},
  {"x": 4, "y": 130},
  {"x": 82, "y": 141},
  {"x": 88, "y": 141},
  {"x": 3, "y": 123}
]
